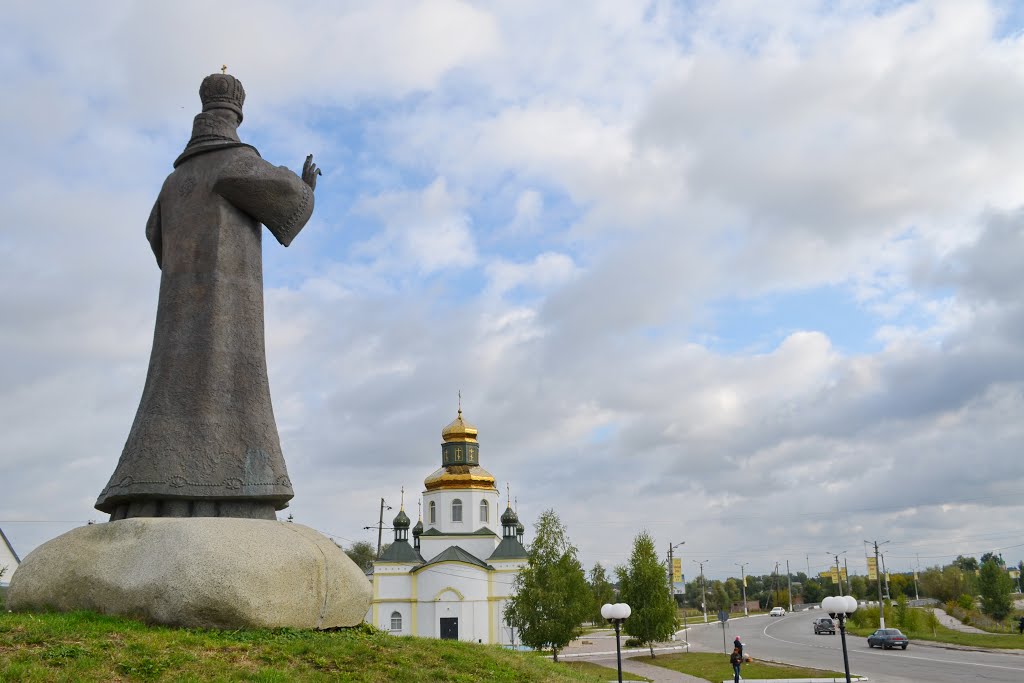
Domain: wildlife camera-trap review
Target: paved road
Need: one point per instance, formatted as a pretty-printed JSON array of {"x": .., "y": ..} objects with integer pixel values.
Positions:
[{"x": 791, "y": 639}]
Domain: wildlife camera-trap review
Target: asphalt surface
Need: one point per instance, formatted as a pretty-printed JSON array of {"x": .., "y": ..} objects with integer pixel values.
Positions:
[{"x": 791, "y": 639}]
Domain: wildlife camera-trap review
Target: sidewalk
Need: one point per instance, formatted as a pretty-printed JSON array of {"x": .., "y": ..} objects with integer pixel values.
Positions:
[
  {"x": 599, "y": 647},
  {"x": 954, "y": 623}
]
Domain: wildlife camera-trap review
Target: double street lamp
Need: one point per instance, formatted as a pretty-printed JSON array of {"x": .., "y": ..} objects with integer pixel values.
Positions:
[
  {"x": 840, "y": 607},
  {"x": 616, "y": 614}
]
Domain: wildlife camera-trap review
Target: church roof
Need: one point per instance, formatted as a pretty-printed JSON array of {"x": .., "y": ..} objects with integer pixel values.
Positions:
[
  {"x": 509, "y": 549},
  {"x": 482, "y": 531},
  {"x": 455, "y": 554},
  {"x": 9, "y": 546},
  {"x": 459, "y": 430},
  {"x": 460, "y": 477},
  {"x": 401, "y": 551}
]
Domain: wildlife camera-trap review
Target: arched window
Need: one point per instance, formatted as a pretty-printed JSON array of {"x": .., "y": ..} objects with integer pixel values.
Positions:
[
  {"x": 432, "y": 512},
  {"x": 484, "y": 508},
  {"x": 456, "y": 510},
  {"x": 396, "y": 621}
]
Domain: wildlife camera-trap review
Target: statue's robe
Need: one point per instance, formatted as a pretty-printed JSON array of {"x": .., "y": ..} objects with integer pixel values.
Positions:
[{"x": 204, "y": 441}]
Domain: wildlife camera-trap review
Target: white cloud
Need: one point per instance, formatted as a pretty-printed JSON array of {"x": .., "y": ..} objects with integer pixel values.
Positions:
[{"x": 533, "y": 205}]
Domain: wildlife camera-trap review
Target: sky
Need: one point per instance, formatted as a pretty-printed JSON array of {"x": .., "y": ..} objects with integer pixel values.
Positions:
[{"x": 744, "y": 275}]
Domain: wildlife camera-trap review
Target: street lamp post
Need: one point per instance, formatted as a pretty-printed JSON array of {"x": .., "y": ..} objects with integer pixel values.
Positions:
[
  {"x": 703, "y": 589},
  {"x": 743, "y": 583},
  {"x": 616, "y": 614},
  {"x": 671, "y": 549},
  {"x": 840, "y": 607}
]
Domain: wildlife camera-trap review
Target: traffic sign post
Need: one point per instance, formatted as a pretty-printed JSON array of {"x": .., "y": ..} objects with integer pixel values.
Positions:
[{"x": 723, "y": 616}]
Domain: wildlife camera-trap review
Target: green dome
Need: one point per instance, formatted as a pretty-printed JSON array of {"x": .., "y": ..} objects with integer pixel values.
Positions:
[
  {"x": 520, "y": 528},
  {"x": 402, "y": 520},
  {"x": 508, "y": 518},
  {"x": 418, "y": 529}
]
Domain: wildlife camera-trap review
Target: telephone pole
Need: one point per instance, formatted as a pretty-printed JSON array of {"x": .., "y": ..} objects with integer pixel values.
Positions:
[
  {"x": 878, "y": 576},
  {"x": 743, "y": 583},
  {"x": 703, "y": 590},
  {"x": 380, "y": 525},
  {"x": 789, "y": 587}
]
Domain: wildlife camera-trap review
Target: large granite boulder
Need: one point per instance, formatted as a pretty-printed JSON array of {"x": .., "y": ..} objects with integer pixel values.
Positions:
[{"x": 196, "y": 572}]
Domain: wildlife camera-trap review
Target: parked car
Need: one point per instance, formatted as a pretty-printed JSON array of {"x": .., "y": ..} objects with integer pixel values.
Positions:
[
  {"x": 824, "y": 625},
  {"x": 777, "y": 612},
  {"x": 888, "y": 638}
]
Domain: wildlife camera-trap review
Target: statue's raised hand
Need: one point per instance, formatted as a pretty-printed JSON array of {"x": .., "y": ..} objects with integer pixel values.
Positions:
[{"x": 310, "y": 172}]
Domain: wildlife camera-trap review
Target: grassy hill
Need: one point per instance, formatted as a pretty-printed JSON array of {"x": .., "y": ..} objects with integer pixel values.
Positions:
[{"x": 88, "y": 647}]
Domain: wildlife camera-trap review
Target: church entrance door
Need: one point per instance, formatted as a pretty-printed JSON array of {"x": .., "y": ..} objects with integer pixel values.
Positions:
[{"x": 449, "y": 628}]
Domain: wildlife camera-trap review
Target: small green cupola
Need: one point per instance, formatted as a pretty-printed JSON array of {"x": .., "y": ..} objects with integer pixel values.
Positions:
[
  {"x": 417, "y": 530},
  {"x": 401, "y": 525},
  {"x": 520, "y": 530},
  {"x": 509, "y": 521}
]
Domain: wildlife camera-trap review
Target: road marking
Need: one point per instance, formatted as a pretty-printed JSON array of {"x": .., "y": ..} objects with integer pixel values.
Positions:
[{"x": 892, "y": 654}]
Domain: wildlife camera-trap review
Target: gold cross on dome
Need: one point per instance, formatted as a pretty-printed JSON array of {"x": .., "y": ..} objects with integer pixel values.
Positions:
[
  {"x": 223, "y": 68},
  {"x": 403, "y": 499}
]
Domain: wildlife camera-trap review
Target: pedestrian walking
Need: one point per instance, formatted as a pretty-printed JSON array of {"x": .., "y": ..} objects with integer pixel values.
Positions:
[{"x": 736, "y": 659}]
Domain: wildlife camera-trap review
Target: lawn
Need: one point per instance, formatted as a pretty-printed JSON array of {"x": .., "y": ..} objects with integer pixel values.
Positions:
[
  {"x": 88, "y": 647},
  {"x": 602, "y": 672},
  {"x": 715, "y": 667}
]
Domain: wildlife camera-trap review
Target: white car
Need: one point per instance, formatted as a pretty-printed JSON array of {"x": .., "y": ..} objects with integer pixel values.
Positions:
[{"x": 777, "y": 612}]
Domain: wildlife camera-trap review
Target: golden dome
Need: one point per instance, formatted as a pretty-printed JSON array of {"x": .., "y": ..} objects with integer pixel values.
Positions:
[
  {"x": 460, "y": 477},
  {"x": 459, "y": 430}
]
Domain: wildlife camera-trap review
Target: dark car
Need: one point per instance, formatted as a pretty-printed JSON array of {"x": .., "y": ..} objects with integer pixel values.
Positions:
[
  {"x": 824, "y": 625},
  {"x": 888, "y": 638}
]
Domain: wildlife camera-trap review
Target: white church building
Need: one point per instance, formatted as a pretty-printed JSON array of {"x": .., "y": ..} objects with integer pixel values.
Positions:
[
  {"x": 455, "y": 578},
  {"x": 8, "y": 559}
]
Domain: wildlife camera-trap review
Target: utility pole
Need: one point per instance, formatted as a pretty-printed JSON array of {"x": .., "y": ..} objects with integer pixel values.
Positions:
[
  {"x": 808, "y": 558},
  {"x": 888, "y": 595},
  {"x": 838, "y": 575},
  {"x": 380, "y": 525},
  {"x": 917, "y": 596},
  {"x": 703, "y": 590},
  {"x": 743, "y": 583},
  {"x": 878, "y": 576},
  {"x": 789, "y": 587},
  {"x": 846, "y": 570},
  {"x": 671, "y": 586},
  {"x": 775, "y": 585}
]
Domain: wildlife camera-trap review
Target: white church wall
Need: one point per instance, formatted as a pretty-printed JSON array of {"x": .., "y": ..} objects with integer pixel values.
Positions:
[{"x": 470, "y": 498}]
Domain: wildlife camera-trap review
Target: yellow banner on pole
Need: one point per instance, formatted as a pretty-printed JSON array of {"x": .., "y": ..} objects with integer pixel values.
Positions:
[
  {"x": 835, "y": 575},
  {"x": 677, "y": 570},
  {"x": 1014, "y": 573},
  {"x": 842, "y": 574},
  {"x": 873, "y": 568},
  {"x": 744, "y": 581}
]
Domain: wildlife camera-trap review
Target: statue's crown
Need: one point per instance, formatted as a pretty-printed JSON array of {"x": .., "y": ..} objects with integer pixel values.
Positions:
[{"x": 222, "y": 91}]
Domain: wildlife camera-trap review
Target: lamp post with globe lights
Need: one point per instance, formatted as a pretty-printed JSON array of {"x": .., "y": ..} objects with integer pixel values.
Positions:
[
  {"x": 840, "y": 607},
  {"x": 616, "y": 614}
]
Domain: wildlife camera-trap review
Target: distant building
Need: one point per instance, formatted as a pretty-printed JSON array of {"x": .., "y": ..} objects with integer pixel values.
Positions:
[
  {"x": 8, "y": 559},
  {"x": 454, "y": 580}
]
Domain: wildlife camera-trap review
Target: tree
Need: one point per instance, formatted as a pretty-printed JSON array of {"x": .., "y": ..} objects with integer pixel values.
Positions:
[
  {"x": 995, "y": 586},
  {"x": 363, "y": 554},
  {"x": 813, "y": 592},
  {"x": 643, "y": 586},
  {"x": 967, "y": 564},
  {"x": 600, "y": 590},
  {"x": 551, "y": 597},
  {"x": 993, "y": 556}
]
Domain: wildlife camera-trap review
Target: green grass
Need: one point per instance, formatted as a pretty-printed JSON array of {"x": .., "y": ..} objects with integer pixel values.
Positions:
[
  {"x": 88, "y": 647},
  {"x": 946, "y": 635},
  {"x": 603, "y": 672},
  {"x": 716, "y": 667}
]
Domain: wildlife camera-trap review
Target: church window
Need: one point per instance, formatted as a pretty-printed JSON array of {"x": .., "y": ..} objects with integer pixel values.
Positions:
[
  {"x": 396, "y": 621},
  {"x": 456, "y": 510},
  {"x": 432, "y": 512},
  {"x": 484, "y": 516}
]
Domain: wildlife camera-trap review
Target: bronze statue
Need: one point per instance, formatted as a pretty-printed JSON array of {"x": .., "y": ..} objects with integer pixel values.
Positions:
[{"x": 204, "y": 442}]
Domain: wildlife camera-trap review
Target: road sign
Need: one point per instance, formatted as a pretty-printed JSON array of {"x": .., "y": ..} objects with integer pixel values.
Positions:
[
  {"x": 677, "y": 570},
  {"x": 723, "y": 616}
]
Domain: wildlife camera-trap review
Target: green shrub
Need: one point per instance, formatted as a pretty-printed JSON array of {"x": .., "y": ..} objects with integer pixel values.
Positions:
[{"x": 965, "y": 602}]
